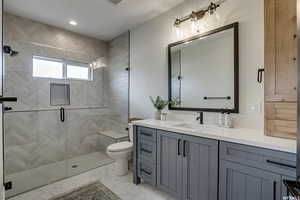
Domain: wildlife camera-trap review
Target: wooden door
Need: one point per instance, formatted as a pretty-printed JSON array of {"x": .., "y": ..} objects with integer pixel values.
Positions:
[
  {"x": 169, "y": 163},
  {"x": 280, "y": 50},
  {"x": 200, "y": 169},
  {"x": 240, "y": 182}
]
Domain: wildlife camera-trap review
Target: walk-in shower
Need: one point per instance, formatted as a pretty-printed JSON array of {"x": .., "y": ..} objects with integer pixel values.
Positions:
[{"x": 68, "y": 109}]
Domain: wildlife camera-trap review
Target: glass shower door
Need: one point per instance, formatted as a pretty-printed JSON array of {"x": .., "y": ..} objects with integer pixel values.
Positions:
[
  {"x": 35, "y": 150},
  {"x": 85, "y": 115},
  {"x": 98, "y": 115}
]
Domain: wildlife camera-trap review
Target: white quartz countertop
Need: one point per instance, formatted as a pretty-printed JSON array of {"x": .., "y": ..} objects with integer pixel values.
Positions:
[{"x": 244, "y": 136}]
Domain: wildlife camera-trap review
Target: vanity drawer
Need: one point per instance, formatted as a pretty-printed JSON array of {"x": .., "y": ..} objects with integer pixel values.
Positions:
[
  {"x": 147, "y": 171},
  {"x": 270, "y": 160},
  {"x": 147, "y": 150},
  {"x": 148, "y": 134}
]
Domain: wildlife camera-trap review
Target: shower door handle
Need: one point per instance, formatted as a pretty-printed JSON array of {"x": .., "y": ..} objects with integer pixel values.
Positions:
[
  {"x": 62, "y": 114},
  {"x": 8, "y": 99}
]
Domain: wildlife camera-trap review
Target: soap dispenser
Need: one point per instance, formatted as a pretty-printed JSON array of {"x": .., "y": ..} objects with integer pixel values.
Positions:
[
  {"x": 228, "y": 120},
  {"x": 221, "y": 119}
]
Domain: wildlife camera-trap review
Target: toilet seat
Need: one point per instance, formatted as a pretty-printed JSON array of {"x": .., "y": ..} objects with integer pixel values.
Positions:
[{"x": 121, "y": 146}]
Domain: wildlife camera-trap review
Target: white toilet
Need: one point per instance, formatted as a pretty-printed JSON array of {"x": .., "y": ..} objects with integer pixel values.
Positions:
[{"x": 121, "y": 153}]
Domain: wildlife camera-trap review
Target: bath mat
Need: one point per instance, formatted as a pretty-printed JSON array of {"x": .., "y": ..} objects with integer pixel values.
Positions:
[{"x": 94, "y": 191}]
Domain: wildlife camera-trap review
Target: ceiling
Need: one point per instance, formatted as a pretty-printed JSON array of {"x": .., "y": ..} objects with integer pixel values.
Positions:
[{"x": 100, "y": 19}]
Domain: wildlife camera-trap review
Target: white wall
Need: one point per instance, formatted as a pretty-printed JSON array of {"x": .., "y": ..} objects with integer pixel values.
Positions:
[{"x": 149, "y": 59}]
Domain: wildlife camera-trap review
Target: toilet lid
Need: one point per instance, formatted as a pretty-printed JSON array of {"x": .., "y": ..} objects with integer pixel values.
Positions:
[{"x": 121, "y": 146}]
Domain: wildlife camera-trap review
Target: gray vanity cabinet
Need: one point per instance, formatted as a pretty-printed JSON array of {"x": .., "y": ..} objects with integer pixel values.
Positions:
[
  {"x": 169, "y": 163},
  {"x": 196, "y": 168},
  {"x": 200, "y": 168},
  {"x": 239, "y": 182},
  {"x": 248, "y": 172},
  {"x": 187, "y": 167}
]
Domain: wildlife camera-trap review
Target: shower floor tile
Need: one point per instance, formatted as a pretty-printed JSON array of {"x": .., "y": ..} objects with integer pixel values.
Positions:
[
  {"x": 121, "y": 186},
  {"x": 27, "y": 180}
]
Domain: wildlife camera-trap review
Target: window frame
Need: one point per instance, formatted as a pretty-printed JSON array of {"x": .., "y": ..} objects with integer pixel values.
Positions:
[
  {"x": 78, "y": 64},
  {"x": 49, "y": 59},
  {"x": 65, "y": 64}
]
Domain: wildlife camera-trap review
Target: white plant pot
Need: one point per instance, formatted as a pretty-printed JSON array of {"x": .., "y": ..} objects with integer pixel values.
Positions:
[{"x": 157, "y": 115}]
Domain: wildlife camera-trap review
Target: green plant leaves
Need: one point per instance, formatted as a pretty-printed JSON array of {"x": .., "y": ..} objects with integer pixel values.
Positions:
[{"x": 159, "y": 103}]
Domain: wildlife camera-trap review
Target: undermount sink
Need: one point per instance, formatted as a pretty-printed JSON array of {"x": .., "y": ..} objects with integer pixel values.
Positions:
[{"x": 192, "y": 126}]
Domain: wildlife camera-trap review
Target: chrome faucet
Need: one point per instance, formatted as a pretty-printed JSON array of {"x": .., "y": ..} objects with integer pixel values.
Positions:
[{"x": 200, "y": 118}]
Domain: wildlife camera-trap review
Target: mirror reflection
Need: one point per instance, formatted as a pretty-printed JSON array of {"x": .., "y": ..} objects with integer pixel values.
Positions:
[{"x": 203, "y": 71}]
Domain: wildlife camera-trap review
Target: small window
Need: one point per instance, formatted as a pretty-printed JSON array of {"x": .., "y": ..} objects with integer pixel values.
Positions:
[
  {"x": 78, "y": 71},
  {"x": 47, "y": 68},
  {"x": 60, "y": 69}
]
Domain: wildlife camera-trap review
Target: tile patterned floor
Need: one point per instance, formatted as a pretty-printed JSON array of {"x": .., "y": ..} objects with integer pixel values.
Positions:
[{"x": 121, "y": 186}]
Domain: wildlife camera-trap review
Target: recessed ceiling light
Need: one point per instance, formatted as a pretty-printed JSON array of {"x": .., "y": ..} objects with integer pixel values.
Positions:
[{"x": 73, "y": 23}]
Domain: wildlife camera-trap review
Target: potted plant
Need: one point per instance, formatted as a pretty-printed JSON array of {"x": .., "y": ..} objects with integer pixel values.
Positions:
[{"x": 159, "y": 103}]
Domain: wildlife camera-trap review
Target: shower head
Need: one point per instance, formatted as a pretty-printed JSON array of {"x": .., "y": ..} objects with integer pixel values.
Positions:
[
  {"x": 13, "y": 53},
  {"x": 8, "y": 50}
]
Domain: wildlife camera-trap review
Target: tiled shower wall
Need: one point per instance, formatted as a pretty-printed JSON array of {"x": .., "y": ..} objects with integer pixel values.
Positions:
[{"x": 34, "y": 134}]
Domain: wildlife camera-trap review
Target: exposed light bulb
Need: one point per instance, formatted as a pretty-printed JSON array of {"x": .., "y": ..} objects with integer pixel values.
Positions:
[
  {"x": 194, "y": 26},
  {"x": 213, "y": 20},
  {"x": 178, "y": 32},
  {"x": 200, "y": 26}
]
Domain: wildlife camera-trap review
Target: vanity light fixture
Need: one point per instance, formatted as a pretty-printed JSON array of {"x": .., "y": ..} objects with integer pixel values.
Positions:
[{"x": 195, "y": 16}]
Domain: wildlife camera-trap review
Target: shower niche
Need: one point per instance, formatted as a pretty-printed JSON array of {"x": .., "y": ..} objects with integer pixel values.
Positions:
[{"x": 59, "y": 94}]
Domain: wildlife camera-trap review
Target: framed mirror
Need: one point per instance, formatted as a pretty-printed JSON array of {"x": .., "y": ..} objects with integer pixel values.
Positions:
[{"x": 204, "y": 71}]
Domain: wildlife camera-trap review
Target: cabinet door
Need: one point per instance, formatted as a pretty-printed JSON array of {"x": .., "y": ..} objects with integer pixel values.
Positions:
[
  {"x": 169, "y": 163},
  {"x": 239, "y": 182},
  {"x": 200, "y": 169},
  {"x": 280, "y": 50}
]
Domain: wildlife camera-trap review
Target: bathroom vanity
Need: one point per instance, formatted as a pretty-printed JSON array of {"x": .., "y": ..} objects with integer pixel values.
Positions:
[
  {"x": 203, "y": 162},
  {"x": 206, "y": 162}
]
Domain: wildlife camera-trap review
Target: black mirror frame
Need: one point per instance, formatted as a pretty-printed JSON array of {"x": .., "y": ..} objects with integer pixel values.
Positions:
[{"x": 235, "y": 27}]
